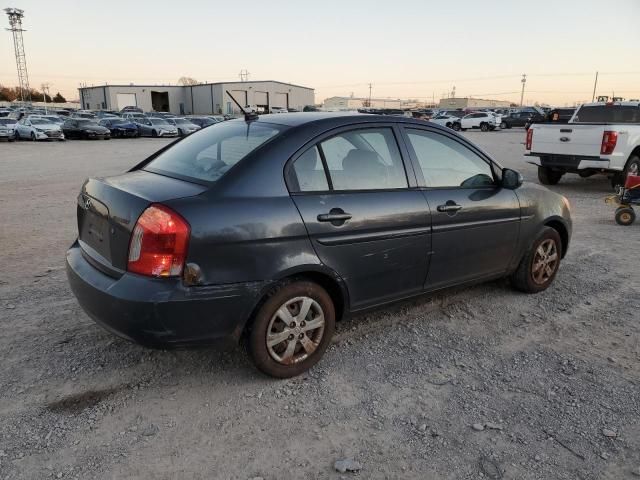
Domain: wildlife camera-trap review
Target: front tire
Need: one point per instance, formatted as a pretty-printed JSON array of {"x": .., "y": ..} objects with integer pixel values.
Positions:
[
  {"x": 292, "y": 329},
  {"x": 539, "y": 266},
  {"x": 154, "y": 133},
  {"x": 33, "y": 137},
  {"x": 548, "y": 176},
  {"x": 503, "y": 125},
  {"x": 456, "y": 126},
  {"x": 625, "y": 216},
  {"x": 484, "y": 127}
]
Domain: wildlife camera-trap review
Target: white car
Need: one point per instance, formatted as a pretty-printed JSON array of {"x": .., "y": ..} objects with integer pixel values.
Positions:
[
  {"x": 184, "y": 126},
  {"x": 7, "y": 129},
  {"x": 279, "y": 110},
  {"x": 484, "y": 121},
  {"x": 445, "y": 120},
  {"x": 38, "y": 129}
]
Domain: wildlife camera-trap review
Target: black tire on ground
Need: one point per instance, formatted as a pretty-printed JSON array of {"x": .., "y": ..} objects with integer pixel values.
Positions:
[
  {"x": 484, "y": 127},
  {"x": 548, "y": 176},
  {"x": 503, "y": 125},
  {"x": 625, "y": 216},
  {"x": 33, "y": 137},
  {"x": 456, "y": 126},
  {"x": 154, "y": 133},
  {"x": 540, "y": 263},
  {"x": 289, "y": 298},
  {"x": 448, "y": 125}
]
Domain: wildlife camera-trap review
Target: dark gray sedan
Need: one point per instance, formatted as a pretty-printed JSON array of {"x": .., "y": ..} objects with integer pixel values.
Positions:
[{"x": 268, "y": 231}]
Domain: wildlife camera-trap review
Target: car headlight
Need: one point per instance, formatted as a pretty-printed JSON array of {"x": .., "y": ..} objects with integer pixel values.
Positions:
[{"x": 39, "y": 130}]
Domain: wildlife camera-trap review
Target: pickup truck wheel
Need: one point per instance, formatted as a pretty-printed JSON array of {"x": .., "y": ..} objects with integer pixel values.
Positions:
[
  {"x": 540, "y": 263},
  {"x": 484, "y": 127},
  {"x": 625, "y": 216},
  {"x": 292, "y": 329},
  {"x": 548, "y": 176},
  {"x": 633, "y": 166}
]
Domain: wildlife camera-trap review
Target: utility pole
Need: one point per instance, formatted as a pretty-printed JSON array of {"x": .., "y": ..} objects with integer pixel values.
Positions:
[
  {"x": 244, "y": 75},
  {"x": 524, "y": 82},
  {"x": 15, "y": 22},
  {"x": 369, "y": 95},
  {"x": 595, "y": 84}
]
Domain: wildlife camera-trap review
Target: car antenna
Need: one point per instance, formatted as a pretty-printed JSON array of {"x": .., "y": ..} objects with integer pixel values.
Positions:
[{"x": 248, "y": 116}]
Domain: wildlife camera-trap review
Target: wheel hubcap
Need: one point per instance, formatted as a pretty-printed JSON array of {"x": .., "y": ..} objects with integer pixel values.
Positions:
[
  {"x": 295, "y": 330},
  {"x": 545, "y": 262},
  {"x": 625, "y": 217},
  {"x": 633, "y": 169}
]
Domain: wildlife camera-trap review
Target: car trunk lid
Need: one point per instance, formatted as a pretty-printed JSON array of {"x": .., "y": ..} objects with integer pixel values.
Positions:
[{"x": 108, "y": 209}]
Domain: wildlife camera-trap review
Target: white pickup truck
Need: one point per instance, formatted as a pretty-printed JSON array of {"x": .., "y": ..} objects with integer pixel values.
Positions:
[{"x": 600, "y": 138}]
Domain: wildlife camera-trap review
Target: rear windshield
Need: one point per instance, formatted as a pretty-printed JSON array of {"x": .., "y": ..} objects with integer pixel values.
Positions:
[
  {"x": 608, "y": 114},
  {"x": 209, "y": 153}
]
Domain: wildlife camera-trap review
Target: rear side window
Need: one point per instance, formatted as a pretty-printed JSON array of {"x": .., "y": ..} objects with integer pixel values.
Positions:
[
  {"x": 366, "y": 159},
  {"x": 209, "y": 153},
  {"x": 310, "y": 172},
  {"x": 608, "y": 114},
  {"x": 447, "y": 163}
]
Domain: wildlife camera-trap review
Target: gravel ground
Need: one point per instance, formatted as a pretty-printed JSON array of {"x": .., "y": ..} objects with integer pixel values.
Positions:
[{"x": 481, "y": 382}]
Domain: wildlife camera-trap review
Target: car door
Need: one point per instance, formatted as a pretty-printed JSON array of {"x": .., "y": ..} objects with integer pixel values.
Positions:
[
  {"x": 475, "y": 222},
  {"x": 365, "y": 217}
]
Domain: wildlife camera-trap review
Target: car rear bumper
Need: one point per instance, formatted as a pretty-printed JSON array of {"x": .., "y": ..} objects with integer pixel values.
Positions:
[
  {"x": 568, "y": 162},
  {"x": 160, "y": 312}
]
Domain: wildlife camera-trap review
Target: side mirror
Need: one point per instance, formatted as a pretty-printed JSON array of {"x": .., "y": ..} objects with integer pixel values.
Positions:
[{"x": 511, "y": 179}]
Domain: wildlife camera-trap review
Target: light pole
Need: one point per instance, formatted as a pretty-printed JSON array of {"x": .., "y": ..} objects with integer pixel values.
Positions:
[{"x": 524, "y": 82}]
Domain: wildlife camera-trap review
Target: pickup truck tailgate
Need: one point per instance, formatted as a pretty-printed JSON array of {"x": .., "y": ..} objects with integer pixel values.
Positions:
[{"x": 568, "y": 139}]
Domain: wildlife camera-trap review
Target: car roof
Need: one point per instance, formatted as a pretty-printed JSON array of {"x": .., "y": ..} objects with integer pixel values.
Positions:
[{"x": 332, "y": 119}]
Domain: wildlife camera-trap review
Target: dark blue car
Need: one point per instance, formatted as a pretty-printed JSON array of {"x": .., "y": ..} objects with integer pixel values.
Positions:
[
  {"x": 267, "y": 231},
  {"x": 120, "y": 127}
]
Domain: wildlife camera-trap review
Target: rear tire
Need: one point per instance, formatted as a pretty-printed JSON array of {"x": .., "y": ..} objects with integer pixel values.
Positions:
[
  {"x": 625, "y": 216},
  {"x": 633, "y": 166},
  {"x": 503, "y": 125},
  {"x": 548, "y": 176},
  {"x": 540, "y": 264},
  {"x": 298, "y": 338}
]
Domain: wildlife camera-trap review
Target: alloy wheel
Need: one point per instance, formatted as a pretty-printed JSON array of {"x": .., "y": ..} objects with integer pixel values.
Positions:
[
  {"x": 295, "y": 330},
  {"x": 545, "y": 262}
]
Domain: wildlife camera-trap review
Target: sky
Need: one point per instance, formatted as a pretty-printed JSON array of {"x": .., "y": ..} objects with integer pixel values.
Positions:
[{"x": 406, "y": 48}]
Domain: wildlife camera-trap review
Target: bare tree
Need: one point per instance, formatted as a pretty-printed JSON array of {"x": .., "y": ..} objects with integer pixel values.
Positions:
[{"x": 187, "y": 81}]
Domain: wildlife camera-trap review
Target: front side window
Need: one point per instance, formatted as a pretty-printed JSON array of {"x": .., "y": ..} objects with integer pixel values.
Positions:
[
  {"x": 366, "y": 159},
  {"x": 447, "y": 163},
  {"x": 209, "y": 153}
]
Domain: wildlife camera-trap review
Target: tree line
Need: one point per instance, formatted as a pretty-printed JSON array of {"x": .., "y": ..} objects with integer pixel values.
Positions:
[{"x": 9, "y": 94}]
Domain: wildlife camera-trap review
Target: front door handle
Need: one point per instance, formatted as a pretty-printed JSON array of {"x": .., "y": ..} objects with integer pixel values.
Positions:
[
  {"x": 449, "y": 207},
  {"x": 336, "y": 216}
]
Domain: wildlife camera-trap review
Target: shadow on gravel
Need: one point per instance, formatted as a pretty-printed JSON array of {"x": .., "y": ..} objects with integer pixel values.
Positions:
[{"x": 76, "y": 403}]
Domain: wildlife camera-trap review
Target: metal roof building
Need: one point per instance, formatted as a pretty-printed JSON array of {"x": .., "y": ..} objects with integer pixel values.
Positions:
[{"x": 203, "y": 98}]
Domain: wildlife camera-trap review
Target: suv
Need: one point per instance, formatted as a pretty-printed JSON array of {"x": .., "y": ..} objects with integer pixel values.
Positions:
[{"x": 483, "y": 121}]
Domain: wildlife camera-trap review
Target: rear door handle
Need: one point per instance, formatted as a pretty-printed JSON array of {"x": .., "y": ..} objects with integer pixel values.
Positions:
[
  {"x": 334, "y": 217},
  {"x": 449, "y": 207}
]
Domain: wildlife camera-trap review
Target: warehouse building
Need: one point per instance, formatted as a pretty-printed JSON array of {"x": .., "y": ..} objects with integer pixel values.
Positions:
[
  {"x": 456, "y": 103},
  {"x": 353, "y": 103},
  {"x": 201, "y": 99}
]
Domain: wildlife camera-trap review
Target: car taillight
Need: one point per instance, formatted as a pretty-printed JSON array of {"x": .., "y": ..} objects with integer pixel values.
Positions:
[
  {"x": 529, "y": 139},
  {"x": 158, "y": 245},
  {"x": 609, "y": 140}
]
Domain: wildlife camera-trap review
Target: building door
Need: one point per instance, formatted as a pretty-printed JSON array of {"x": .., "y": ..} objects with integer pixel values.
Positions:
[
  {"x": 261, "y": 100},
  {"x": 281, "y": 100}
]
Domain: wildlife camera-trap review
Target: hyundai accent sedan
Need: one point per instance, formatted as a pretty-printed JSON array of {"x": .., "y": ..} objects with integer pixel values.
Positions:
[{"x": 267, "y": 231}]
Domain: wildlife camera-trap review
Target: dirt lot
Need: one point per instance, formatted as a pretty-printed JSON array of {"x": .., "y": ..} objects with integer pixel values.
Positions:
[{"x": 480, "y": 382}]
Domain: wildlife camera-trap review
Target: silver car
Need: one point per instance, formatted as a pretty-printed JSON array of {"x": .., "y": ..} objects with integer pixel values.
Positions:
[
  {"x": 184, "y": 126},
  {"x": 7, "y": 129},
  {"x": 38, "y": 129},
  {"x": 155, "y": 127}
]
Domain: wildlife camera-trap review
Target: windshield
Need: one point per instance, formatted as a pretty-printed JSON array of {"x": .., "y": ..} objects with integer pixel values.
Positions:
[
  {"x": 209, "y": 153},
  {"x": 85, "y": 123},
  {"x": 181, "y": 121},
  {"x": 159, "y": 121},
  {"x": 608, "y": 114},
  {"x": 39, "y": 121}
]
